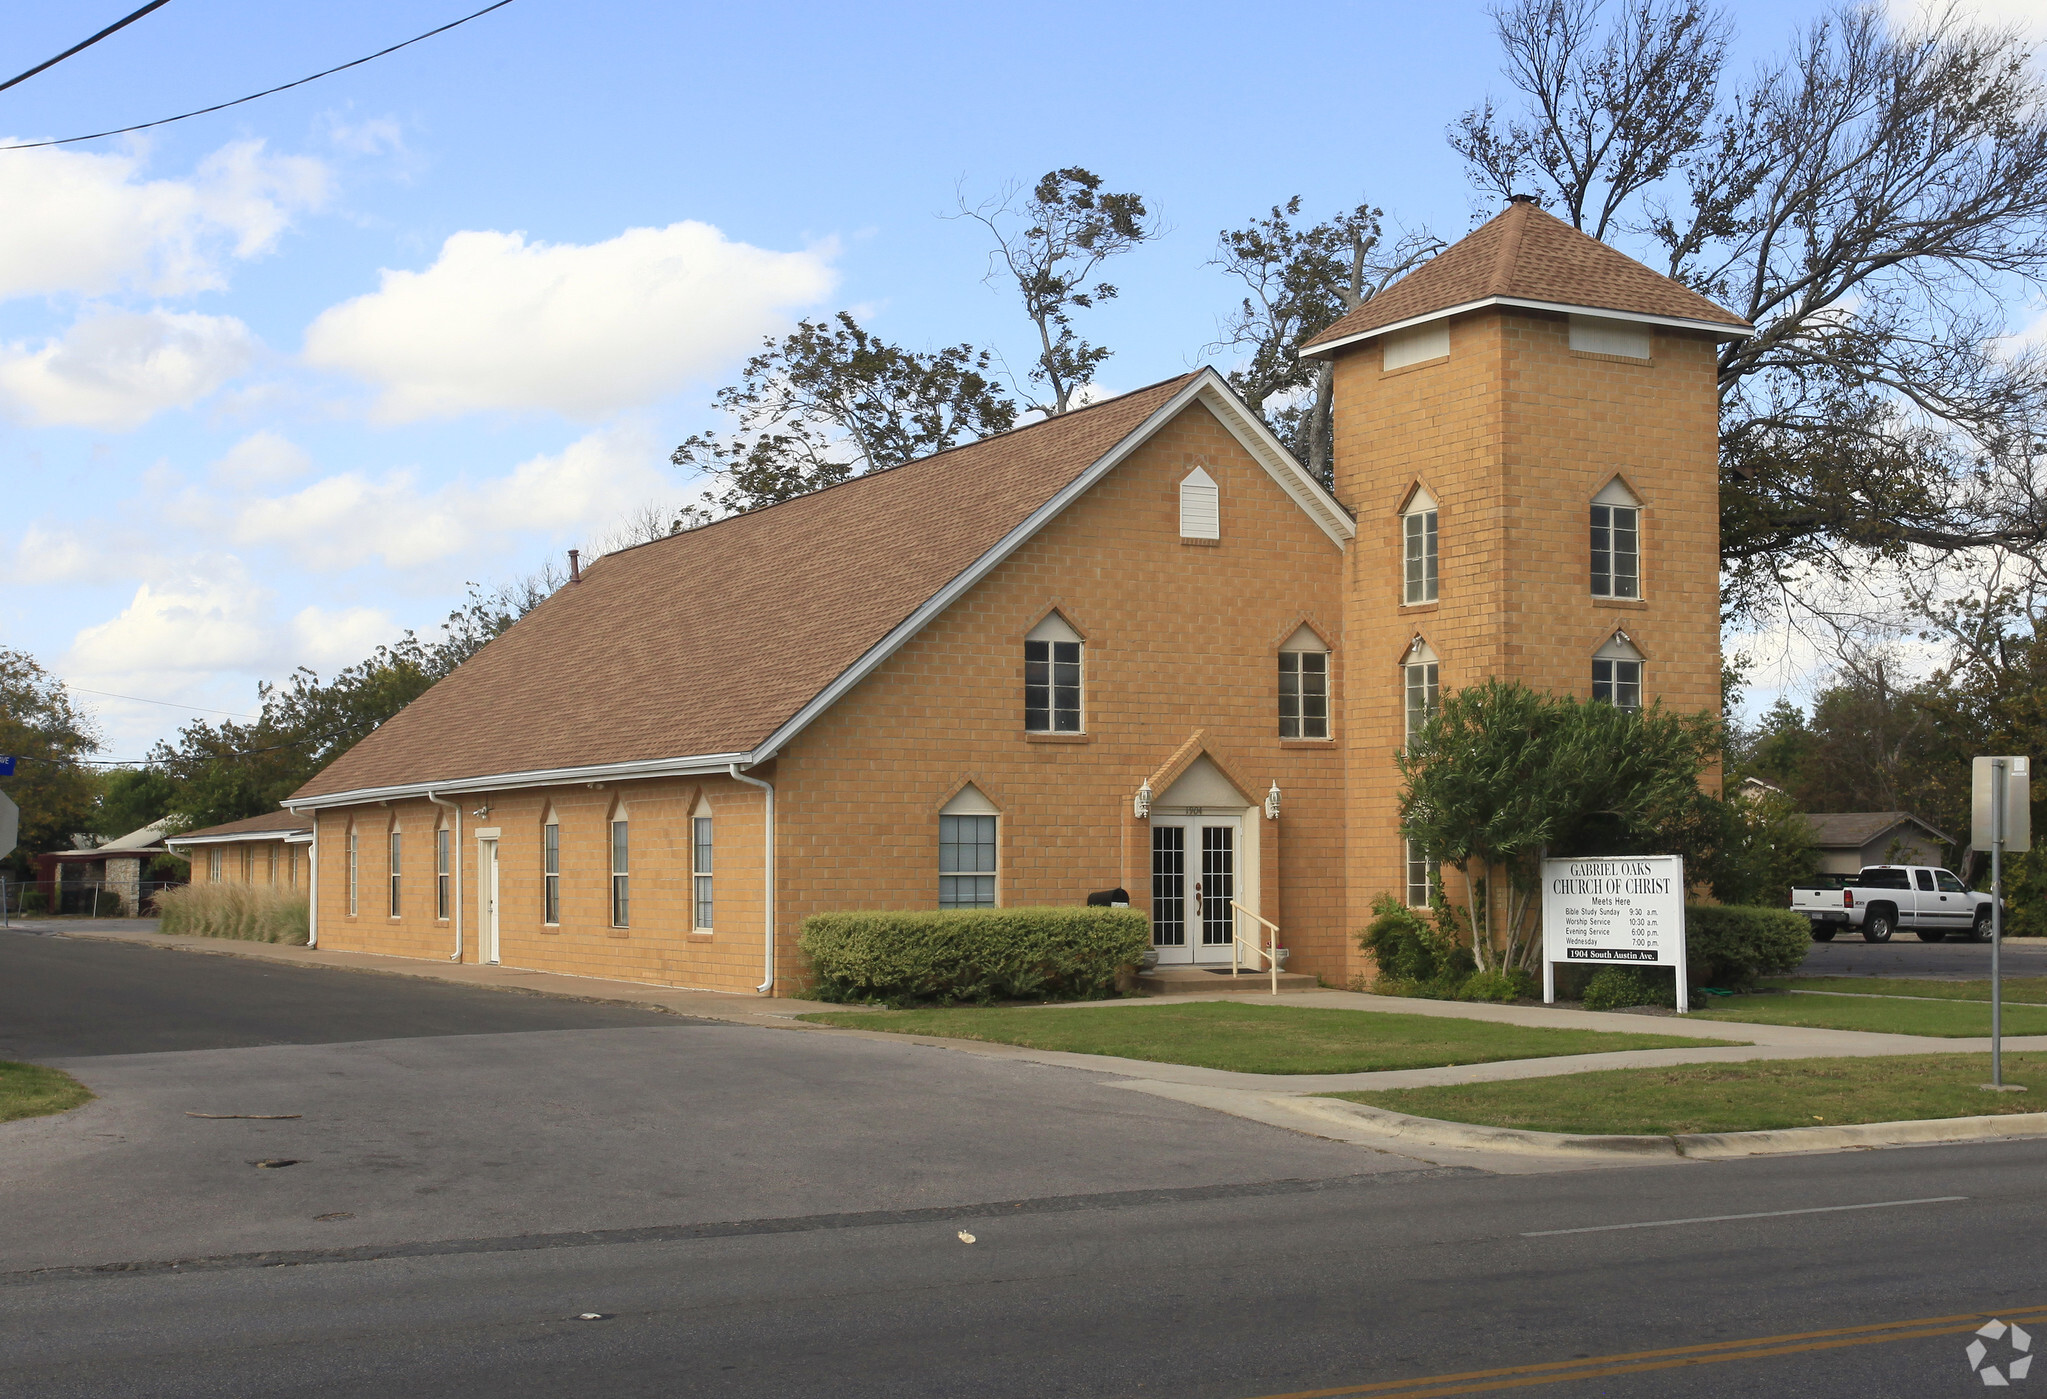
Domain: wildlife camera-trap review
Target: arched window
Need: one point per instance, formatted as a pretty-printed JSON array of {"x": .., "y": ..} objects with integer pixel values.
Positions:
[
  {"x": 967, "y": 850},
  {"x": 1420, "y": 679},
  {"x": 1616, "y": 542},
  {"x": 550, "y": 868},
  {"x": 1617, "y": 673},
  {"x": 397, "y": 840},
  {"x": 1304, "y": 686},
  {"x": 441, "y": 875},
  {"x": 1418, "y": 548},
  {"x": 700, "y": 848},
  {"x": 1052, "y": 677},
  {"x": 352, "y": 863},
  {"x": 621, "y": 888},
  {"x": 1200, "y": 506}
]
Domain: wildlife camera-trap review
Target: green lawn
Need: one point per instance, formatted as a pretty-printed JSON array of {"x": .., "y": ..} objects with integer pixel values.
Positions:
[
  {"x": 1954, "y": 1019},
  {"x": 1253, "y": 1038},
  {"x": 1732, "y": 1097},
  {"x": 30, "y": 1090},
  {"x": 2017, "y": 989}
]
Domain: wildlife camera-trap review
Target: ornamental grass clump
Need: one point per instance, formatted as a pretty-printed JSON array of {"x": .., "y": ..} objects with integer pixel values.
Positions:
[
  {"x": 972, "y": 955},
  {"x": 244, "y": 912}
]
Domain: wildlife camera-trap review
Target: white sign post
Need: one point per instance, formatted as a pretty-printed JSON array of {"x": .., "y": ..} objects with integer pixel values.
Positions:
[
  {"x": 1624, "y": 911},
  {"x": 10, "y": 836},
  {"x": 2000, "y": 791}
]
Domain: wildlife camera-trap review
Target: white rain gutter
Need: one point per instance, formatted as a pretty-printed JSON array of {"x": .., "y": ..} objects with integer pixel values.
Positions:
[
  {"x": 768, "y": 877},
  {"x": 455, "y": 859}
]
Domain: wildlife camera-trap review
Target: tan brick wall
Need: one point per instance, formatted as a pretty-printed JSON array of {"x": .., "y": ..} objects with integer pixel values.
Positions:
[
  {"x": 1514, "y": 434},
  {"x": 249, "y": 862}
]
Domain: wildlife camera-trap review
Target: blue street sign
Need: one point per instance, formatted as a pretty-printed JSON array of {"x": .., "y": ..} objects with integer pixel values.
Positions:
[{"x": 6, "y": 767}]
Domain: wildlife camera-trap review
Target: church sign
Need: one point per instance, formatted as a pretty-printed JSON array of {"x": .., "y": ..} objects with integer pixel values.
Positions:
[{"x": 1617, "y": 912}]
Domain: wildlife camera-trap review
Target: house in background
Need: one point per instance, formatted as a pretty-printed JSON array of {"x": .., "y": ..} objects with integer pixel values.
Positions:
[
  {"x": 273, "y": 849},
  {"x": 1135, "y": 645},
  {"x": 106, "y": 879},
  {"x": 1848, "y": 840}
]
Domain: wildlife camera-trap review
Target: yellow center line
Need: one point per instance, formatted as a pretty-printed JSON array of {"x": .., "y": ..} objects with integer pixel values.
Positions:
[{"x": 1635, "y": 1362}]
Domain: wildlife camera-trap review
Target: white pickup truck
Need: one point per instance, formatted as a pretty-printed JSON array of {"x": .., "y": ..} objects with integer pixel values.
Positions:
[{"x": 1884, "y": 898}]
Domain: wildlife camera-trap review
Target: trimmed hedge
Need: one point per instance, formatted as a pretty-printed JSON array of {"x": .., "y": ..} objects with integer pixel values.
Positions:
[
  {"x": 1730, "y": 945},
  {"x": 972, "y": 954}
]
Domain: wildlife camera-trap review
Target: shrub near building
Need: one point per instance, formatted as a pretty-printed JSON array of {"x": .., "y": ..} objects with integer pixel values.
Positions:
[{"x": 977, "y": 955}]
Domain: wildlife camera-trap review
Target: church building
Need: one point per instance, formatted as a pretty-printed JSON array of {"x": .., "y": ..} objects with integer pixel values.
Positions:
[{"x": 1134, "y": 646}]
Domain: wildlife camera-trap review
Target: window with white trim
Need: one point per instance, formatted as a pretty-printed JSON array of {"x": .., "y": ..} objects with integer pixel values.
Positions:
[
  {"x": 551, "y": 871},
  {"x": 1616, "y": 542},
  {"x": 1418, "y": 549},
  {"x": 967, "y": 850},
  {"x": 396, "y": 838},
  {"x": 351, "y": 870},
  {"x": 1052, "y": 677},
  {"x": 248, "y": 863},
  {"x": 213, "y": 865},
  {"x": 700, "y": 848},
  {"x": 1422, "y": 686},
  {"x": 441, "y": 873},
  {"x": 1419, "y": 876},
  {"x": 1617, "y": 673},
  {"x": 1304, "y": 686},
  {"x": 621, "y": 890},
  {"x": 270, "y": 864},
  {"x": 1201, "y": 514}
]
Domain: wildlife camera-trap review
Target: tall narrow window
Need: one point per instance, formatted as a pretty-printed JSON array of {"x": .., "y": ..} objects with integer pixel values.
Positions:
[
  {"x": 1169, "y": 886},
  {"x": 1304, "y": 686},
  {"x": 441, "y": 874},
  {"x": 395, "y": 905},
  {"x": 270, "y": 864},
  {"x": 1200, "y": 506},
  {"x": 1616, "y": 543},
  {"x": 1617, "y": 673},
  {"x": 1418, "y": 535},
  {"x": 967, "y": 850},
  {"x": 621, "y": 893},
  {"x": 551, "y": 873},
  {"x": 351, "y": 871},
  {"x": 213, "y": 865},
  {"x": 1418, "y": 877},
  {"x": 248, "y": 864},
  {"x": 1424, "y": 691},
  {"x": 700, "y": 872},
  {"x": 291, "y": 869},
  {"x": 1052, "y": 677}
]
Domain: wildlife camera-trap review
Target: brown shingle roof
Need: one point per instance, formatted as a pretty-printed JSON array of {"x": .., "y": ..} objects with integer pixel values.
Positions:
[
  {"x": 270, "y": 823},
  {"x": 707, "y": 642},
  {"x": 1851, "y": 830},
  {"x": 1529, "y": 255}
]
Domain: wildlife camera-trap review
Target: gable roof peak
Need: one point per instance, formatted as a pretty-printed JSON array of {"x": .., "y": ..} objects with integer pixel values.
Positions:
[{"x": 1527, "y": 256}]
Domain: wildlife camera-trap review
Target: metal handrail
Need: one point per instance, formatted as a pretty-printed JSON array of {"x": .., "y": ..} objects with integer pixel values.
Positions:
[{"x": 1238, "y": 944}]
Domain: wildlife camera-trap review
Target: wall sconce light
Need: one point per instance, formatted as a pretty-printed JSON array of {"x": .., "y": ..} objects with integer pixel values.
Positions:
[
  {"x": 1272, "y": 802},
  {"x": 1140, "y": 805},
  {"x": 482, "y": 812}
]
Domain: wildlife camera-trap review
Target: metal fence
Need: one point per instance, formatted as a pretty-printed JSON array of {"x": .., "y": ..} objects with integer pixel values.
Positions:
[{"x": 42, "y": 897}]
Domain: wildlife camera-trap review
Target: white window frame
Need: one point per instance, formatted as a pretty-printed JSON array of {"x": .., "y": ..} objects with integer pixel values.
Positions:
[
  {"x": 1620, "y": 671},
  {"x": 1295, "y": 675},
  {"x": 551, "y": 872},
  {"x": 441, "y": 837},
  {"x": 1616, "y": 572},
  {"x": 969, "y": 813},
  {"x": 213, "y": 865},
  {"x": 1046, "y": 645},
  {"x": 1421, "y": 686},
  {"x": 1201, "y": 510},
  {"x": 1420, "y": 553},
  {"x": 621, "y": 875},
  {"x": 702, "y": 853},
  {"x": 353, "y": 864},
  {"x": 1421, "y": 877},
  {"x": 394, "y": 848}
]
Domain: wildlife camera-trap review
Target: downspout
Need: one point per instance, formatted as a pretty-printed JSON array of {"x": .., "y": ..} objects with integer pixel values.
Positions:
[
  {"x": 768, "y": 877},
  {"x": 455, "y": 859}
]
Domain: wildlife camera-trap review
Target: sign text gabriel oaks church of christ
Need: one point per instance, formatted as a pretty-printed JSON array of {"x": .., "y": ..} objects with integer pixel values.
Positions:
[{"x": 1621, "y": 912}]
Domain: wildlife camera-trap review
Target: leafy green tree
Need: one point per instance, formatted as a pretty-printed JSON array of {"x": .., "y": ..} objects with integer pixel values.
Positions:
[
  {"x": 131, "y": 798},
  {"x": 830, "y": 402},
  {"x": 1873, "y": 202},
  {"x": 1766, "y": 845},
  {"x": 1050, "y": 242},
  {"x": 1298, "y": 282},
  {"x": 1502, "y": 777},
  {"x": 50, "y": 740}
]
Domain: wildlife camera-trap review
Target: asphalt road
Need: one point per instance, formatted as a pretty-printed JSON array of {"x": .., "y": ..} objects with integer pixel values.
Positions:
[
  {"x": 1906, "y": 955},
  {"x": 756, "y": 1212}
]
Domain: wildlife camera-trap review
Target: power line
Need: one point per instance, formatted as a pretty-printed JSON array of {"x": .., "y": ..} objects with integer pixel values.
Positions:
[
  {"x": 168, "y": 704},
  {"x": 81, "y": 47},
  {"x": 267, "y": 92}
]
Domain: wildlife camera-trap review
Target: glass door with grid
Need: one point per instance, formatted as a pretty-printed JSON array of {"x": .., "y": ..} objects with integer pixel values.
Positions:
[{"x": 1193, "y": 885}]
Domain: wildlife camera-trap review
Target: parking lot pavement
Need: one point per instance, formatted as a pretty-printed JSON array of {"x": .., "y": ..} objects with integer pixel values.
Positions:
[{"x": 1906, "y": 955}]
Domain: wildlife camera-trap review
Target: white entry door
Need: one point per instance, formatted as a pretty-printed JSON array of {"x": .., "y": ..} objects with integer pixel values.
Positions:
[
  {"x": 487, "y": 901},
  {"x": 1193, "y": 885}
]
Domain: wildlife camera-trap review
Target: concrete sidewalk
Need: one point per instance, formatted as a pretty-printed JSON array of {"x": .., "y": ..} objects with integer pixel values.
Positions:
[{"x": 1733, "y": 1043}]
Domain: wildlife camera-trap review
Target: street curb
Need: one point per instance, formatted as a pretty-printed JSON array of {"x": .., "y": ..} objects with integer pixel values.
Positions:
[{"x": 1699, "y": 1146}]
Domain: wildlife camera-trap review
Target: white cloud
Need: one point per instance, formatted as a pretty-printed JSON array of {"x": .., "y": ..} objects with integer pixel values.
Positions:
[
  {"x": 345, "y": 520},
  {"x": 500, "y": 323},
  {"x": 261, "y": 459},
  {"x": 118, "y": 371},
  {"x": 2029, "y": 16},
  {"x": 90, "y": 224}
]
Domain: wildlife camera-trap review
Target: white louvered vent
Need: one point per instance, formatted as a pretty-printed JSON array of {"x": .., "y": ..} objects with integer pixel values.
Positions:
[{"x": 1200, "y": 506}]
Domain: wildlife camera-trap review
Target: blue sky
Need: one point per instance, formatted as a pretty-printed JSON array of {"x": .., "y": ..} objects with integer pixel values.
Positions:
[{"x": 275, "y": 383}]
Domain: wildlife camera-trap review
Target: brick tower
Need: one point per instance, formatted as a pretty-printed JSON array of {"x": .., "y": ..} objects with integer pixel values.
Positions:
[{"x": 1527, "y": 431}]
